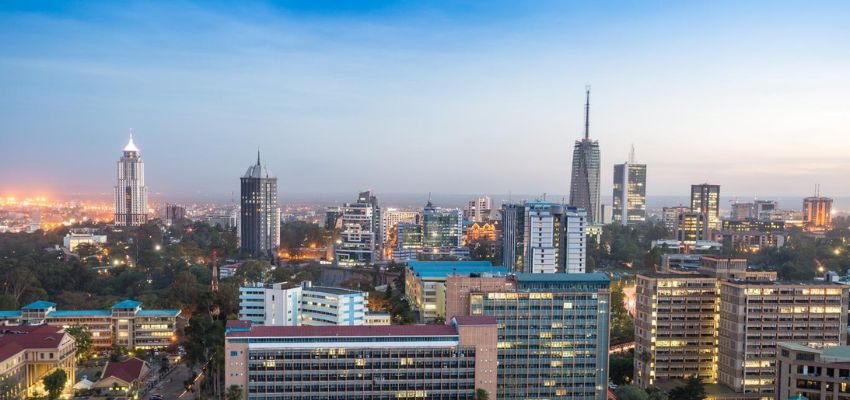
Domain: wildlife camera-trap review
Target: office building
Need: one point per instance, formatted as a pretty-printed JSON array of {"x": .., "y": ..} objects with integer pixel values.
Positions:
[
  {"x": 408, "y": 238},
  {"x": 333, "y": 217},
  {"x": 425, "y": 284},
  {"x": 28, "y": 354},
  {"x": 691, "y": 227},
  {"x": 751, "y": 224},
  {"x": 670, "y": 217},
  {"x": 125, "y": 324},
  {"x": 817, "y": 213},
  {"x": 174, "y": 213},
  {"x": 285, "y": 304},
  {"x": 751, "y": 241},
  {"x": 364, "y": 362},
  {"x": 813, "y": 372},
  {"x": 584, "y": 184},
  {"x": 543, "y": 237},
  {"x": 131, "y": 194},
  {"x": 553, "y": 335},
  {"x": 675, "y": 327},
  {"x": 742, "y": 211},
  {"x": 441, "y": 228},
  {"x": 756, "y": 315},
  {"x": 260, "y": 215},
  {"x": 390, "y": 217},
  {"x": 765, "y": 209},
  {"x": 478, "y": 210},
  {"x": 361, "y": 231},
  {"x": 629, "y": 192},
  {"x": 77, "y": 237},
  {"x": 705, "y": 199}
]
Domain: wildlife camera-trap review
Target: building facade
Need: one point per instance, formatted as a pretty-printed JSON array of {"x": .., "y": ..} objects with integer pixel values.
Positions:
[
  {"x": 131, "y": 194},
  {"x": 553, "y": 335},
  {"x": 77, "y": 237},
  {"x": 365, "y": 362},
  {"x": 812, "y": 371},
  {"x": 270, "y": 304},
  {"x": 755, "y": 316},
  {"x": 817, "y": 213},
  {"x": 691, "y": 227},
  {"x": 441, "y": 228},
  {"x": 584, "y": 184},
  {"x": 705, "y": 199},
  {"x": 629, "y": 192},
  {"x": 260, "y": 215},
  {"x": 126, "y": 323},
  {"x": 28, "y": 354},
  {"x": 174, "y": 213},
  {"x": 543, "y": 237},
  {"x": 425, "y": 284},
  {"x": 478, "y": 210},
  {"x": 390, "y": 217},
  {"x": 284, "y": 304},
  {"x": 361, "y": 231}
]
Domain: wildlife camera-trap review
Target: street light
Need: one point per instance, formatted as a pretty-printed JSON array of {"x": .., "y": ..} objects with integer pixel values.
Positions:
[{"x": 157, "y": 247}]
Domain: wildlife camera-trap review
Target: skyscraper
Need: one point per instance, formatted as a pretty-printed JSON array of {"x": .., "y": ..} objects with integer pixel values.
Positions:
[
  {"x": 478, "y": 210},
  {"x": 705, "y": 198},
  {"x": 441, "y": 228},
  {"x": 260, "y": 216},
  {"x": 131, "y": 194},
  {"x": 584, "y": 186},
  {"x": 630, "y": 191}
]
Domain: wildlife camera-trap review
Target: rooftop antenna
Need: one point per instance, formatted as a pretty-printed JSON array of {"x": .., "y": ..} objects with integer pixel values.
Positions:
[
  {"x": 587, "y": 113},
  {"x": 258, "y": 156},
  {"x": 817, "y": 189},
  {"x": 632, "y": 155},
  {"x": 510, "y": 198},
  {"x": 544, "y": 196}
]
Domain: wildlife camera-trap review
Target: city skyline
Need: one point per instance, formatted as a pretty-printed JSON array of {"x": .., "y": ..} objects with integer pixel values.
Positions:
[{"x": 400, "y": 82}]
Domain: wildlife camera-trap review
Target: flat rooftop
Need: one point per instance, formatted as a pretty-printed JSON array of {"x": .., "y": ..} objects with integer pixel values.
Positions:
[
  {"x": 345, "y": 331},
  {"x": 562, "y": 277},
  {"x": 442, "y": 269}
]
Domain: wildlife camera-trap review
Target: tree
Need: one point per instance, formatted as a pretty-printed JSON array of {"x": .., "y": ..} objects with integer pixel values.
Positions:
[
  {"x": 83, "y": 339},
  {"x": 117, "y": 352},
  {"x": 656, "y": 394},
  {"x": 621, "y": 369},
  {"x": 252, "y": 271},
  {"x": 281, "y": 274},
  {"x": 481, "y": 394},
  {"x": 631, "y": 392},
  {"x": 234, "y": 392},
  {"x": 54, "y": 383},
  {"x": 693, "y": 389}
]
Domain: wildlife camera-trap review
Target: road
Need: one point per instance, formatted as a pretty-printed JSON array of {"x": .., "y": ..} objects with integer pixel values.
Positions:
[{"x": 172, "y": 385}]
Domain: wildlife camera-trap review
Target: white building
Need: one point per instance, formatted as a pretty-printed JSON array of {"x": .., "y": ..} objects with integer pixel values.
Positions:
[
  {"x": 361, "y": 229},
  {"x": 555, "y": 238},
  {"x": 131, "y": 194},
  {"x": 478, "y": 210},
  {"x": 390, "y": 217},
  {"x": 575, "y": 237},
  {"x": 76, "y": 238},
  {"x": 283, "y": 304}
]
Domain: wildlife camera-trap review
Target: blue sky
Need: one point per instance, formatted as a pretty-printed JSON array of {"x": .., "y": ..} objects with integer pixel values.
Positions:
[{"x": 412, "y": 97}]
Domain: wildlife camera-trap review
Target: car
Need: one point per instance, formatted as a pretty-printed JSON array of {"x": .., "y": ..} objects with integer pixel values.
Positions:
[{"x": 156, "y": 397}]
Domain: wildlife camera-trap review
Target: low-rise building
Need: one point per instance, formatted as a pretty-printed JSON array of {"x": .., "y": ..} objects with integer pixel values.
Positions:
[
  {"x": 814, "y": 372},
  {"x": 126, "y": 323},
  {"x": 364, "y": 362},
  {"x": 425, "y": 283},
  {"x": 78, "y": 237},
  {"x": 122, "y": 378},
  {"x": 28, "y": 354}
]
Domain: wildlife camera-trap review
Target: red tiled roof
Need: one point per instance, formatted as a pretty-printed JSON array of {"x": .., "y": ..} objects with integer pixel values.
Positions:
[
  {"x": 13, "y": 339},
  {"x": 347, "y": 331},
  {"x": 128, "y": 370},
  {"x": 476, "y": 320},
  {"x": 238, "y": 324}
]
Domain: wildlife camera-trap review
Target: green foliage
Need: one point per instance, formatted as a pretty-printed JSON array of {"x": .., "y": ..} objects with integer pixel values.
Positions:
[
  {"x": 117, "y": 352},
  {"x": 481, "y": 394},
  {"x": 626, "y": 246},
  {"x": 656, "y": 394},
  {"x": 282, "y": 274},
  {"x": 295, "y": 235},
  {"x": 622, "y": 323},
  {"x": 82, "y": 338},
  {"x": 54, "y": 383},
  {"x": 693, "y": 389},
  {"x": 622, "y": 369},
  {"x": 631, "y": 392},
  {"x": 253, "y": 271},
  {"x": 234, "y": 392}
]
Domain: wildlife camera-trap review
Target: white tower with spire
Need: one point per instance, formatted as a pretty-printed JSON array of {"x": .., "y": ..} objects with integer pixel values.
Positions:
[{"x": 131, "y": 194}]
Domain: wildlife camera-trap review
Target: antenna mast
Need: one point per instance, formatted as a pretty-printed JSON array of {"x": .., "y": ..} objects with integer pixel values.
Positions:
[
  {"x": 587, "y": 113},
  {"x": 632, "y": 155}
]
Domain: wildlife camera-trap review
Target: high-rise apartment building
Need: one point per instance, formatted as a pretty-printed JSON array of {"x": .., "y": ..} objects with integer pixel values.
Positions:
[
  {"x": 705, "y": 198},
  {"x": 260, "y": 215},
  {"x": 629, "y": 192},
  {"x": 478, "y": 210},
  {"x": 543, "y": 237},
  {"x": 584, "y": 184},
  {"x": 553, "y": 335},
  {"x": 174, "y": 213},
  {"x": 364, "y": 362},
  {"x": 131, "y": 194},
  {"x": 756, "y": 315},
  {"x": 361, "y": 231},
  {"x": 670, "y": 217},
  {"x": 817, "y": 213}
]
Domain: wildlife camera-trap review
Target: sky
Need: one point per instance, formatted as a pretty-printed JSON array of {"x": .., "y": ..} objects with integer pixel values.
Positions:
[{"x": 417, "y": 97}]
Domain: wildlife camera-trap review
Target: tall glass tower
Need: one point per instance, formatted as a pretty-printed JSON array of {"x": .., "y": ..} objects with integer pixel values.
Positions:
[
  {"x": 584, "y": 186},
  {"x": 131, "y": 194},
  {"x": 260, "y": 216}
]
